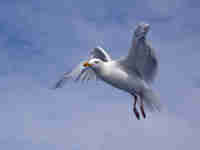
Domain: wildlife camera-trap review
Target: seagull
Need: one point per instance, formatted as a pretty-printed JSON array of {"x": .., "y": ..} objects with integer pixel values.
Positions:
[{"x": 133, "y": 73}]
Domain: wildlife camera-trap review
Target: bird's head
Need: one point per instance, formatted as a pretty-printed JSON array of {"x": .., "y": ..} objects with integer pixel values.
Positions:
[
  {"x": 141, "y": 30},
  {"x": 94, "y": 63}
]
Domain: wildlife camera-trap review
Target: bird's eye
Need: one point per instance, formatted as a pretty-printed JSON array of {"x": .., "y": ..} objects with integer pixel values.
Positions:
[{"x": 96, "y": 62}]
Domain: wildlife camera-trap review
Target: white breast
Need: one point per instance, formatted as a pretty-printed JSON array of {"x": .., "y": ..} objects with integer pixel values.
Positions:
[{"x": 114, "y": 75}]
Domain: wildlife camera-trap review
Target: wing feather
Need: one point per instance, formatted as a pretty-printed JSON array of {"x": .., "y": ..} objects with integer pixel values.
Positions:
[
  {"x": 80, "y": 73},
  {"x": 100, "y": 53},
  {"x": 141, "y": 59}
]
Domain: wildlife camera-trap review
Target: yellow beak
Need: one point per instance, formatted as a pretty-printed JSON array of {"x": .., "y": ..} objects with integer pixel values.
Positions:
[{"x": 86, "y": 64}]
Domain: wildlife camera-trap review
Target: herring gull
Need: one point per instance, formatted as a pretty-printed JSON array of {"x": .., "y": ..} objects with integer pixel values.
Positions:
[{"x": 133, "y": 73}]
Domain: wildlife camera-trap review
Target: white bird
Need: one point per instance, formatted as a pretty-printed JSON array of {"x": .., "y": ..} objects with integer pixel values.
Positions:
[{"x": 133, "y": 73}]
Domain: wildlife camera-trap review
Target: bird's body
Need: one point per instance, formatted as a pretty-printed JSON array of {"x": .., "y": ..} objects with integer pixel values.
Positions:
[
  {"x": 133, "y": 73},
  {"x": 114, "y": 75}
]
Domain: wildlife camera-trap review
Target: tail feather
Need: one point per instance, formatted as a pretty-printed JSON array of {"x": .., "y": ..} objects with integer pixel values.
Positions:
[{"x": 151, "y": 100}]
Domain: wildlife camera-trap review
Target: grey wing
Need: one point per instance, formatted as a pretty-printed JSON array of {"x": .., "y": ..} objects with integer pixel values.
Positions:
[
  {"x": 79, "y": 73},
  {"x": 142, "y": 59},
  {"x": 150, "y": 69},
  {"x": 100, "y": 53},
  {"x": 146, "y": 62}
]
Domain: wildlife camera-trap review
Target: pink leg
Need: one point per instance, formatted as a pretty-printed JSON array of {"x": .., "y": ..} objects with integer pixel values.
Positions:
[
  {"x": 142, "y": 109},
  {"x": 135, "y": 109}
]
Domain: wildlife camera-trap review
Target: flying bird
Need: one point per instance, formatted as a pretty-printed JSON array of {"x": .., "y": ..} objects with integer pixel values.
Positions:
[{"x": 133, "y": 73}]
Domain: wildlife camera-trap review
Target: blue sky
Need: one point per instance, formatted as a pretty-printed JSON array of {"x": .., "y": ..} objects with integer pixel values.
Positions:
[{"x": 39, "y": 40}]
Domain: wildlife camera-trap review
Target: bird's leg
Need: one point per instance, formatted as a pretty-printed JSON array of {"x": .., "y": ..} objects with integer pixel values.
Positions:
[
  {"x": 135, "y": 109},
  {"x": 142, "y": 108}
]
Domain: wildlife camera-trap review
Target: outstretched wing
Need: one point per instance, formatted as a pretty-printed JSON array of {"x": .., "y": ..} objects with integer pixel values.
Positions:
[
  {"x": 81, "y": 73},
  {"x": 141, "y": 58}
]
